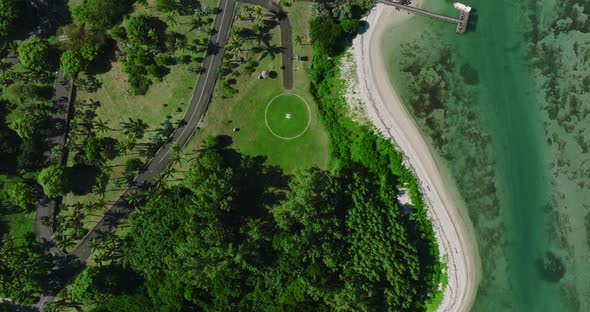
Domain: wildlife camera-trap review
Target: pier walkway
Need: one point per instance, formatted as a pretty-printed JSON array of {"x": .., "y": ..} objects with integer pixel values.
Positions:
[{"x": 461, "y": 21}]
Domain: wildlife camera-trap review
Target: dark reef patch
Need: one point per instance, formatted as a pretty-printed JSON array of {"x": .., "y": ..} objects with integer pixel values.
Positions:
[
  {"x": 550, "y": 267},
  {"x": 469, "y": 74}
]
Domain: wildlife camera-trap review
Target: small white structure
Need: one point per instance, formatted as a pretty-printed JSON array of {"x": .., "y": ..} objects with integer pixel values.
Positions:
[
  {"x": 265, "y": 74},
  {"x": 462, "y": 7}
]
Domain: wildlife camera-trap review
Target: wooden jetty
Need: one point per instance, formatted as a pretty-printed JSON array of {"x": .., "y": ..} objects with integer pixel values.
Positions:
[{"x": 461, "y": 21}]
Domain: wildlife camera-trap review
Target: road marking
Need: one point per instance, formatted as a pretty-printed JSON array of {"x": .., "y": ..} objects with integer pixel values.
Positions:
[{"x": 205, "y": 83}]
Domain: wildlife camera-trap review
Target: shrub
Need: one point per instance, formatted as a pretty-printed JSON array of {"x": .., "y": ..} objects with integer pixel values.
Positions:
[
  {"x": 95, "y": 150},
  {"x": 350, "y": 25},
  {"x": 227, "y": 90},
  {"x": 71, "y": 62},
  {"x": 22, "y": 195},
  {"x": 51, "y": 180},
  {"x": 35, "y": 54}
]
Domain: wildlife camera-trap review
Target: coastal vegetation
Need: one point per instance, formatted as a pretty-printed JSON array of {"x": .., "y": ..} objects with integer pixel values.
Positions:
[{"x": 240, "y": 219}]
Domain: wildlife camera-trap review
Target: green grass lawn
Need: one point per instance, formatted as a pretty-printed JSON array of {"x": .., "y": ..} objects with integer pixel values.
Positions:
[
  {"x": 17, "y": 222},
  {"x": 287, "y": 116},
  {"x": 20, "y": 224},
  {"x": 245, "y": 110}
]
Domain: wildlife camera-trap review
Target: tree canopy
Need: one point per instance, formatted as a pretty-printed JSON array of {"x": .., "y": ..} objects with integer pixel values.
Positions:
[
  {"x": 22, "y": 270},
  {"x": 338, "y": 240},
  {"x": 52, "y": 180},
  {"x": 141, "y": 31},
  {"x": 35, "y": 54},
  {"x": 326, "y": 35},
  {"x": 71, "y": 62},
  {"x": 22, "y": 195},
  {"x": 101, "y": 14},
  {"x": 8, "y": 13}
]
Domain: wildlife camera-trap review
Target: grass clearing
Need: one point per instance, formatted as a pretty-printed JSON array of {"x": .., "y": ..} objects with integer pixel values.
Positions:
[
  {"x": 246, "y": 109},
  {"x": 287, "y": 116}
]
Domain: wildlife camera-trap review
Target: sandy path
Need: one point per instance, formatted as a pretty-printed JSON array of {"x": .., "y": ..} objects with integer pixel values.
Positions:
[{"x": 385, "y": 110}]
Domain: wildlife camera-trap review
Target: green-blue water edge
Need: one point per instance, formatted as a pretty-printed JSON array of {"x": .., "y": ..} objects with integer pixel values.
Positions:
[{"x": 511, "y": 124}]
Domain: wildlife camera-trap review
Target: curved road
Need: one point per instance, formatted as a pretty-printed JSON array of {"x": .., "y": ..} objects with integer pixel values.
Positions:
[
  {"x": 198, "y": 105},
  {"x": 188, "y": 125}
]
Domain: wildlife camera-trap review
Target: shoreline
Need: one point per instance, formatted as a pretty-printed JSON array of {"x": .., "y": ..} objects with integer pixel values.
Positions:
[{"x": 392, "y": 119}]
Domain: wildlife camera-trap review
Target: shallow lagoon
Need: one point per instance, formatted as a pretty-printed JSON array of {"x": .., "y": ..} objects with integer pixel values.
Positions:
[{"x": 508, "y": 114}]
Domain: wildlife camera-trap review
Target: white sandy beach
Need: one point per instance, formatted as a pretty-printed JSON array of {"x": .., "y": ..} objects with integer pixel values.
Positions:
[{"x": 384, "y": 109}]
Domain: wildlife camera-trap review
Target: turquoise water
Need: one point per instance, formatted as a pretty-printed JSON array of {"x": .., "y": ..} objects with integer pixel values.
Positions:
[{"x": 507, "y": 109}]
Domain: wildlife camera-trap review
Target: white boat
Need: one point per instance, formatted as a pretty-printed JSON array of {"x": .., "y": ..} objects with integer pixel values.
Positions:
[{"x": 462, "y": 7}]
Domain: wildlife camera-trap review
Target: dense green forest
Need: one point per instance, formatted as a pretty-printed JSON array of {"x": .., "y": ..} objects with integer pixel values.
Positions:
[{"x": 239, "y": 235}]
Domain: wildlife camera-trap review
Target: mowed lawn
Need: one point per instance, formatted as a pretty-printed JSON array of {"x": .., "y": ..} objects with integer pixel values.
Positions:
[
  {"x": 287, "y": 116},
  {"x": 246, "y": 109}
]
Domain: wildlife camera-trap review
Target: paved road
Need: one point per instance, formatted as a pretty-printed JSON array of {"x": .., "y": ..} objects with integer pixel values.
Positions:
[
  {"x": 56, "y": 136},
  {"x": 286, "y": 38},
  {"x": 198, "y": 105}
]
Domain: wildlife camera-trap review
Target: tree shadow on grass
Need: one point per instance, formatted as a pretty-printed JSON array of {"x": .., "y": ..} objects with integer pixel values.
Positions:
[
  {"x": 81, "y": 178},
  {"x": 262, "y": 185},
  {"x": 104, "y": 63}
]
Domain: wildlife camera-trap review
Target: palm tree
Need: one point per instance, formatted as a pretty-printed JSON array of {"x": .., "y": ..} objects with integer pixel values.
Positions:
[
  {"x": 262, "y": 36},
  {"x": 49, "y": 222},
  {"x": 93, "y": 104},
  {"x": 99, "y": 187},
  {"x": 248, "y": 11},
  {"x": 196, "y": 22},
  {"x": 134, "y": 128},
  {"x": 78, "y": 206},
  {"x": 101, "y": 257},
  {"x": 135, "y": 199},
  {"x": 268, "y": 50},
  {"x": 299, "y": 39},
  {"x": 236, "y": 32},
  {"x": 167, "y": 173},
  {"x": 93, "y": 245},
  {"x": 257, "y": 14},
  {"x": 175, "y": 154},
  {"x": 75, "y": 222},
  {"x": 181, "y": 43},
  {"x": 158, "y": 182},
  {"x": 101, "y": 202},
  {"x": 121, "y": 147},
  {"x": 260, "y": 24},
  {"x": 105, "y": 170},
  {"x": 170, "y": 20},
  {"x": 100, "y": 126},
  {"x": 111, "y": 243}
]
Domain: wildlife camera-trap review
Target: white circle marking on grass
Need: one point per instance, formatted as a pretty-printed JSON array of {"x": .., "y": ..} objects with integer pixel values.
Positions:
[{"x": 289, "y": 115}]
